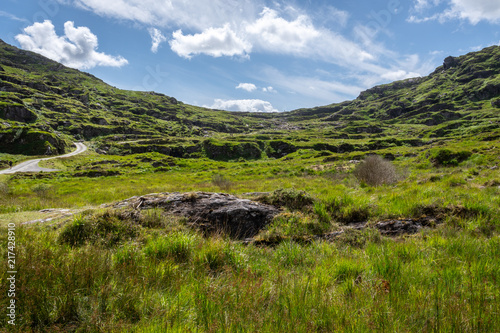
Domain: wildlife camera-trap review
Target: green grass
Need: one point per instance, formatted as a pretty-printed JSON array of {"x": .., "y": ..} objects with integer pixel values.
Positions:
[
  {"x": 109, "y": 270},
  {"x": 436, "y": 281},
  {"x": 112, "y": 271}
]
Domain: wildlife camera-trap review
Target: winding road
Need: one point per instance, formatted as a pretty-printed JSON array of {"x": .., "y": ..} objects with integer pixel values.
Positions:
[{"x": 32, "y": 165}]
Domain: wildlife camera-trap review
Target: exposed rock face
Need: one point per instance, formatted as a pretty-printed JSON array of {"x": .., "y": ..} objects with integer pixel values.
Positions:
[
  {"x": 211, "y": 212},
  {"x": 18, "y": 113},
  {"x": 450, "y": 62}
]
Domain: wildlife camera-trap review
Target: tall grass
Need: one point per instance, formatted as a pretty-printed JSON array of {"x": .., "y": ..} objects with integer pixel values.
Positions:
[
  {"x": 111, "y": 272},
  {"x": 180, "y": 282}
]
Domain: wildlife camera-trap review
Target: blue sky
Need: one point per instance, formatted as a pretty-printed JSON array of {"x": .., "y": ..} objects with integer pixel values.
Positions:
[{"x": 251, "y": 55}]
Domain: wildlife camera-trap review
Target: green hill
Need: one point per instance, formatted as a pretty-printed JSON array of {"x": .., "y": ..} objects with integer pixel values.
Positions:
[{"x": 43, "y": 103}]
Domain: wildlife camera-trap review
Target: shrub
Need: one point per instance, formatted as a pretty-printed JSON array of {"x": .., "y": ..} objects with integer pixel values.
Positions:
[
  {"x": 127, "y": 255},
  {"x": 375, "y": 171},
  {"x": 41, "y": 189},
  {"x": 359, "y": 238},
  {"x": 222, "y": 182}
]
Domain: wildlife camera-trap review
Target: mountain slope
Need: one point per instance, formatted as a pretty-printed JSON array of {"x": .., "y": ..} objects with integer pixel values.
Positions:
[
  {"x": 462, "y": 94},
  {"x": 44, "y": 97},
  {"x": 45, "y": 104}
]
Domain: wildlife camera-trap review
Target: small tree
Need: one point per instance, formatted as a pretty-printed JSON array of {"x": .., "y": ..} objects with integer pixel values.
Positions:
[{"x": 374, "y": 171}]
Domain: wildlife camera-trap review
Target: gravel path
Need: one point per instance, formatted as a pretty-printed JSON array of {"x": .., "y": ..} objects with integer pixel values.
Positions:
[{"x": 32, "y": 165}]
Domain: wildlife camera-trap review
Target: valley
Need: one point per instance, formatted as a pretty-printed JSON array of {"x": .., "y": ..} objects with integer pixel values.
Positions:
[{"x": 181, "y": 218}]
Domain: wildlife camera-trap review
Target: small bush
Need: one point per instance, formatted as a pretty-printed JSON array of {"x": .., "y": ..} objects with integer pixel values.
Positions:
[
  {"x": 375, "y": 171},
  {"x": 222, "y": 182},
  {"x": 152, "y": 218},
  {"x": 359, "y": 238},
  {"x": 76, "y": 233},
  {"x": 41, "y": 189}
]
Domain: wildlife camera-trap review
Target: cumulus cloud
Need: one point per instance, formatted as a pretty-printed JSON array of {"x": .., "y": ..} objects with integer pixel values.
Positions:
[
  {"x": 243, "y": 105},
  {"x": 77, "y": 48},
  {"x": 273, "y": 33},
  {"x": 215, "y": 42},
  {"x": 156, "y": 39},
  {"x": 474, "y": 11},
  {"x": 299, "y": 37},
  {"x": 247, "y": 86},
  {"x": 237, "y": 27}
]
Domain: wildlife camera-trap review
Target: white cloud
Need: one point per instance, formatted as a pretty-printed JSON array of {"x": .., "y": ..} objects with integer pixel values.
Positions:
[
  {"x": 269, "y": 90},
  {"x": 421, "y": 5},
  {"x": 156, "y": 39},
  {"x": 237, "y": 27},
  {"x": 299, "y": 37},
  {"x": 77, "y": 48},
  {"x": 243, "y": 105},
  {"x": 474, "y": 11},
  {"x": 398, "y": 75},
  {"x": 191, "y": 14},
  {"x": 215, "y": 42},
  {"x": 247, "y": 86},
  {"x": 273, "y": 33}
]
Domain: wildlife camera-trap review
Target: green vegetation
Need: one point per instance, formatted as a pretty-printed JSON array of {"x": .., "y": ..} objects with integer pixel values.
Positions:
[{"x": 420, "y": 156}]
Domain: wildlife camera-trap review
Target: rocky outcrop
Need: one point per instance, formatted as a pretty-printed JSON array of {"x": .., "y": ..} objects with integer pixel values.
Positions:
[
  {"x": 17, "y": 113},
  {"x": 210, "y": 212},
  {"x": 450, "y": 62},
  {"x": 19, "y": 140}
]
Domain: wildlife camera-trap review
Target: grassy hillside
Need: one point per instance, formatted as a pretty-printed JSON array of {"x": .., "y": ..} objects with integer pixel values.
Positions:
[
  {"x": 44, "y": 98},
  {"x": 405, "y": 243}
]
